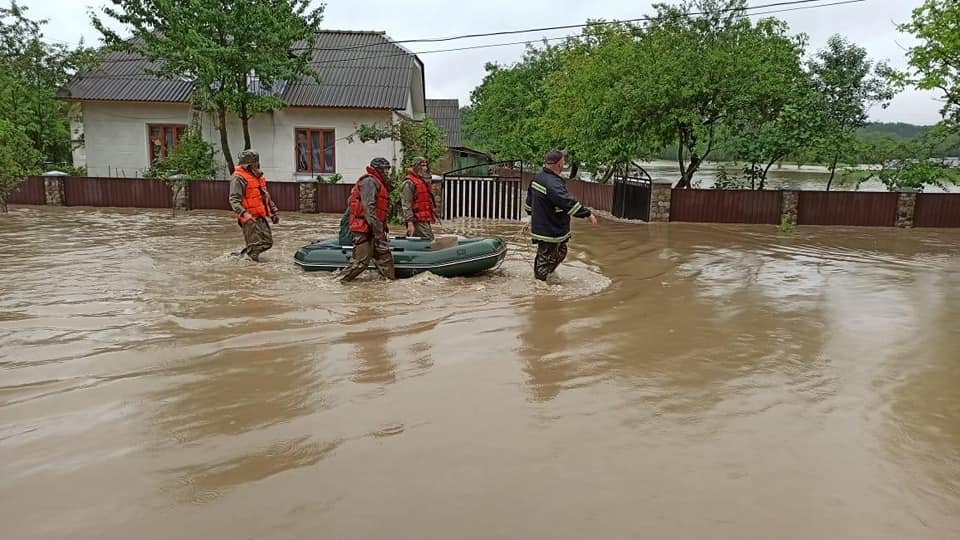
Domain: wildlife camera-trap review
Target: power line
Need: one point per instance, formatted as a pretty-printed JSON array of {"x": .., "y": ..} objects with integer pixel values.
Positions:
[
  {"x": 647, "y": 18},
  {"x": 585, "y": 25},
  {"x": 472, "y": 47}
]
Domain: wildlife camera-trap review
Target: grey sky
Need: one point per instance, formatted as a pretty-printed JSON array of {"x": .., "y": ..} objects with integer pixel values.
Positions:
[{"x": 871, "y": 24}]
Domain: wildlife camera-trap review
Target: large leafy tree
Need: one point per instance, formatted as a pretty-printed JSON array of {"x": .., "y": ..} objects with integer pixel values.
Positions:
[
  {"x": 769, "y": 137},
  {"x": 31, "y": 72},
  {"x": 935, "y": 62},
  {"x": 508, "y": 107},
  {"x": 707, "y": 65},
  {"x": 593, "y": 106},
  {"x": 850, "y": 84},
  {"x": 238, "y": 53}
]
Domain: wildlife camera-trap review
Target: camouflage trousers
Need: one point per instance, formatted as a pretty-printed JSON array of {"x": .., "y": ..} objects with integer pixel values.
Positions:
[
  {"x": 549, "y": 257},
  {"x": 423, "y": 230},
  {"x": 258, "y": 236},
  {"x": 365, "y": 247}
]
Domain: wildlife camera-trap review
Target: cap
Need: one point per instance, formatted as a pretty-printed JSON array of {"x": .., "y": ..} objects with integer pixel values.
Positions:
[{"x": 555, "y": 156}]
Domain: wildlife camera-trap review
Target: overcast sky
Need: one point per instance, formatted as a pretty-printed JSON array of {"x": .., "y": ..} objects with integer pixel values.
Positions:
[{"x": 871, "y": 24}]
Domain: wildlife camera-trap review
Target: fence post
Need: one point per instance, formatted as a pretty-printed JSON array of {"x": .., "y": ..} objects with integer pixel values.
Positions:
[
  {"x": 661, "y": 192},
  {"x": 53, "y": 187},
  {"x": 906, "y": 207},
  {"x": 180, "y": 190},
  {"x": 790, "y": 207},
  {"x": 308, "y": 195}
]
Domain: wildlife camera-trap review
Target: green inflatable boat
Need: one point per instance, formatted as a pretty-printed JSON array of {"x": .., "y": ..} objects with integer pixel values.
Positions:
[{"x": 448, "y": 256}]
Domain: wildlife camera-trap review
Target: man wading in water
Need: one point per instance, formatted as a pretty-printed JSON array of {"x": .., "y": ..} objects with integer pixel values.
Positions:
[
  {"x": 251, "y": 201},
  {"x": 368, "y": 207},
  {"x": 550, "y": 208},
  {"x": 417, "y": 200}
]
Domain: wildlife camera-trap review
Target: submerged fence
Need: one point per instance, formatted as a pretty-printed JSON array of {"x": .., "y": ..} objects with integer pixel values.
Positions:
[{"x": 501, "y": 196}]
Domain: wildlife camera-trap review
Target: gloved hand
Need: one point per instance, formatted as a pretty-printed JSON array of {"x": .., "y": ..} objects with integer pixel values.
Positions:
[{"x": 275, "y": 219}]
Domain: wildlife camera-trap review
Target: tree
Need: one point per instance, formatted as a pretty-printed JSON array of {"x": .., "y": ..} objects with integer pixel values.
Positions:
[
  {"x": 509, "y": 106},
  {"x": 239, "y": 54},
  {"x": 768, "y": 138},
  {"x": 31, "y": 73},
  {"x": 907, "y": 163},
  {"x": 850, "y": 85},
  {"x": 591, "y": 104},
  {"x": 936, "y": 60},
  {"x": 18, "y": 159},
  {"x": 706, "y": 71}
]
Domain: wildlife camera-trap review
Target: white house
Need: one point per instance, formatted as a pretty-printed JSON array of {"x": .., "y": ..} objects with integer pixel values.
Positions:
[{"x": 128, "y": 118}]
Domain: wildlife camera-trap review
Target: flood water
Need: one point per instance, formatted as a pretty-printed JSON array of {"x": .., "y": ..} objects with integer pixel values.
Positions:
[
  {"x": 681, "y": 381},
  {"x": 787, "y": 176}
]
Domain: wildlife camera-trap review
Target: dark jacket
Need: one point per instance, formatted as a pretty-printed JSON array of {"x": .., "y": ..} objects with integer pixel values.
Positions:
[{"x": 550, "y": 208}]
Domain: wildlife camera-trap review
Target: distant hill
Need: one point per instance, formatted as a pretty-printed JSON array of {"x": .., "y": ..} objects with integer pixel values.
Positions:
[{"x": 897, "y": 129}]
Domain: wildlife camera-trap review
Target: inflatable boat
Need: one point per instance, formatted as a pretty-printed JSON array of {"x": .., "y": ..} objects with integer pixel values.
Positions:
[{"x": 447, "y": 256}]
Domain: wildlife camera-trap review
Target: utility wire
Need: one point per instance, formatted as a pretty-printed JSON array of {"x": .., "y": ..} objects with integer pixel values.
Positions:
[{"x": 467, "y": 48}]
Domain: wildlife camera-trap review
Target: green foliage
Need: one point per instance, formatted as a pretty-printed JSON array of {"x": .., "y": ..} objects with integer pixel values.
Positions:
[
  {"x": 695, "y": 74},
  {"x": 18, "y": 159},
  {"x": 193, "y": 158},
  {"x": 727, "y": 181},
  {"x": 422, "y": 139},
  {"x": 331, "y": 179},
  {"x": 31, "y": 72},
  {"x": 770, "y": 137},
  {"x": 908, "y": 163},
  {"x": 509, "y": 106},
  {"x": 238, "y": 53},
  {"x": 786, "y": 226},
  {"x": 935, "y": 61},
  {"x": 849, "y": 83}
]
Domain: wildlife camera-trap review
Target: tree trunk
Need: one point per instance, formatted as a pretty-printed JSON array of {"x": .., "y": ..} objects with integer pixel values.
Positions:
[
  {"x": 574, "y": 169},
  {"x": 245, "y": 120},
  {"x": 686, "y": 176},
  {"x": 224, "y": 143},
  {"x": 833, "y": 168},
  {"x": 3, "y": 205},
  {"x": 763, "y": 179},
  {"x": 684, "y": 180}
]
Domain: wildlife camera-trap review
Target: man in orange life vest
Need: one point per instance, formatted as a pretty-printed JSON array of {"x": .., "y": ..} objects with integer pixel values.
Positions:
[
  {"x": 417, "y": 200},
  {"x": 368, "y": 207},
  {"x": 251, "y": 201}
]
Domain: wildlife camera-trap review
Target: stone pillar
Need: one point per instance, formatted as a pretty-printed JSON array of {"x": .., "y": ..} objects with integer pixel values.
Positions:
[
  {"x": 180, "y": 189},
  {"x": 53, "y": 185},
  {"x": 308, "y": 196},
  {"x": 906, "y": 208},
  {"x": 660, "y": 194},
  {"x": 789, "y": 207},
  {"x": 181, "y": 196}
]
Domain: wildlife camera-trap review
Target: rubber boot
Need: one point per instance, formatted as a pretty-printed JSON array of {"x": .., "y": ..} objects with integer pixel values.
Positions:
[
  {"x": 385, "y": 266},
  {"x": 351, "y": 272}
]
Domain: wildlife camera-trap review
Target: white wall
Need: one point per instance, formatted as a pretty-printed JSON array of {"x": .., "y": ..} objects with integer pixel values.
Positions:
[
  {"x": 116, "y": 138},
  {"x": 272, "y": 135},
  {"x": 115, "y": 135}
]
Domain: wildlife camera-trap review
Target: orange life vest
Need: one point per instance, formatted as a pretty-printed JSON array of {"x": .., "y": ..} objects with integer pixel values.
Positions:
[
  {"x": 256, "y": 198},
  {"x": 422, "y": 200},
  {"x": 358, "y": 222}
]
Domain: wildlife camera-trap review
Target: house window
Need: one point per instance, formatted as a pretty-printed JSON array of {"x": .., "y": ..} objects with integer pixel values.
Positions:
[
  {"x": 315, "y": 150},
  {"x": 163, "y": 139}
]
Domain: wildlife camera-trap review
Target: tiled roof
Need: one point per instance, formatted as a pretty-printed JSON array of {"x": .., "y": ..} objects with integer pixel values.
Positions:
[
  {"x": 356, "y": 70},
  {"x": 446, "y": 114}
]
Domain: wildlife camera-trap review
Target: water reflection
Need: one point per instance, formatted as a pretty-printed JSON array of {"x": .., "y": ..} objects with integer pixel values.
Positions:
[{"x": 237, "y": 391}]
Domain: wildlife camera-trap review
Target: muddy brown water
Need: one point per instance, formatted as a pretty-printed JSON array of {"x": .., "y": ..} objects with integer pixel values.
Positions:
[{"x": 682, "y": 381}]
